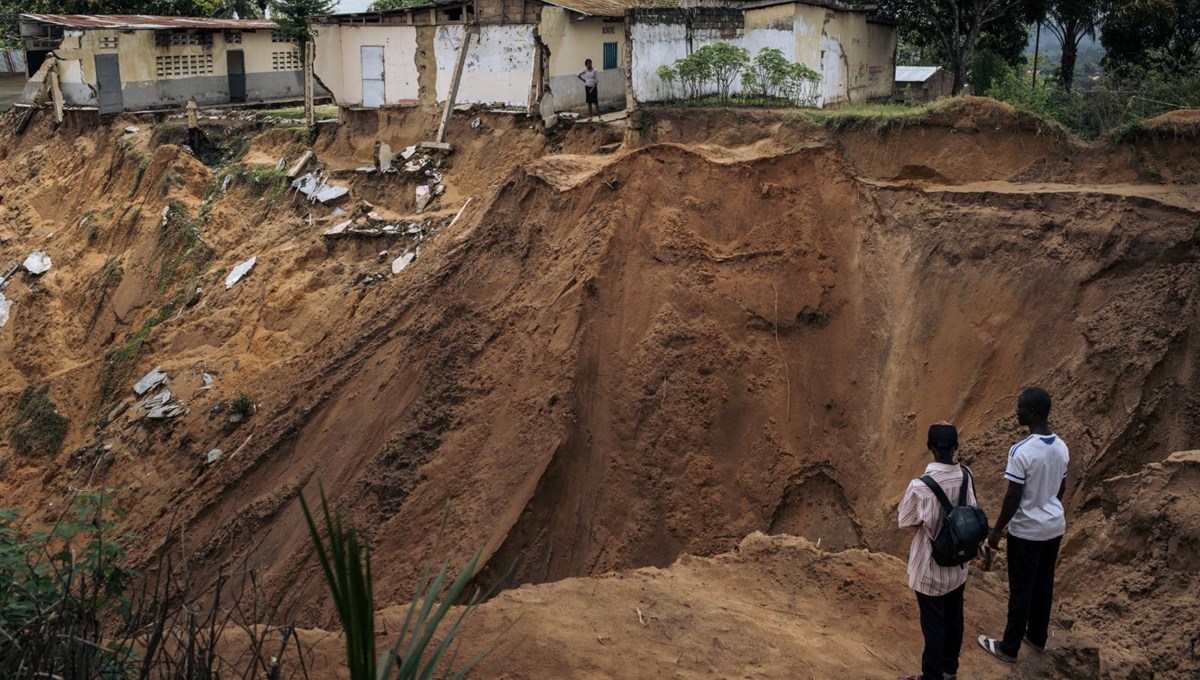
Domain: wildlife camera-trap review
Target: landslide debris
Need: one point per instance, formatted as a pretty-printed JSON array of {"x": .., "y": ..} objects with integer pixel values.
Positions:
[{"x": 602, "y": 361}]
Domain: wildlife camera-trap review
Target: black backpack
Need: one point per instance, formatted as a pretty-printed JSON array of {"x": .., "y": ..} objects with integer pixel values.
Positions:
[{"x": 964, "y": 527}]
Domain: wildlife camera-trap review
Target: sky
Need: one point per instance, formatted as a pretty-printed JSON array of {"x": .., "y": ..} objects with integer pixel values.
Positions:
[{"x": 353, "y": 5}]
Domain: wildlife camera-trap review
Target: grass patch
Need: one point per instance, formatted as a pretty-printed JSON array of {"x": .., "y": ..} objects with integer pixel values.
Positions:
[
  {"x": 261, "y": 180},
  {"x": 179, "y": 244},
  {"x": 38, "y": 427},
  {"x": 323, "y": 112},
  {"x": 143, "y": 163},
  {"x": 120, "y": 362},
  {"x": 868, "y": 112},
  {"x": 106, "y": 279}
]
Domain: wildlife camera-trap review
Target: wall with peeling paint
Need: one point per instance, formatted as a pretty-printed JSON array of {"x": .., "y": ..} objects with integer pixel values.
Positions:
[
  {"x": 337, "y": 61},
  {"x": 572, "y": 39},
  {"x": 498, "y": 70},
  {"x": 499, "y": 66},
  {"x": 269, "y": 73},
  {"x": 855, "y": 57}
]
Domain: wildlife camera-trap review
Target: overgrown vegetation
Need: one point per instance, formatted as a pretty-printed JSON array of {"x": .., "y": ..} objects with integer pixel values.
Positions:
[
  {"x": 770, "y": 79},
  {"x": 120, "y": 363},
  {"x": 242, "y": 406},
  {"x": 71, "y": 608},
  {"x": 346, "y": 564},
  {"x": 143, "y": 163},
  {"x": 179, "y": 243},
  {"x": 37, "y": 428},
  {"x": 1118, "y": 101},
  {"x": 55, "y": 587},
  {"x": 108, "y": 278}
]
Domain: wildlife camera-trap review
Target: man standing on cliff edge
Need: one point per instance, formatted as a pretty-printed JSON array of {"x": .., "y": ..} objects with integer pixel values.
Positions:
[{"x": 1037, "y": 478}]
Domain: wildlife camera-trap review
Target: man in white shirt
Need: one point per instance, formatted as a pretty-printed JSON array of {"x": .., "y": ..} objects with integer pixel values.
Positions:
[
  {"x": 1037, "y": 478},
  {"x": 939, "y": 589},
  {"x": 591, "y": 86}
]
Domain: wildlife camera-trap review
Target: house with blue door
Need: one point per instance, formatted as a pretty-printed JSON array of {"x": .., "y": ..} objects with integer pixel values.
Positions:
[{"x": 116, "y": 63}]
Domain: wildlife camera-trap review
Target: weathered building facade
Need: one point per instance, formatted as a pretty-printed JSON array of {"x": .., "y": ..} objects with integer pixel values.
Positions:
[
  {"x": 853, "y": 52},
  {"x": 130, "y": 63},
  {"x": 528, "y": 53},
  {"x": 520, "y": 52}
]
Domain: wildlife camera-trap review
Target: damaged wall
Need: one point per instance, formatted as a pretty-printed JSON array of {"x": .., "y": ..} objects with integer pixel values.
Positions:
[
  {"x": 499, "y": 66},
  {"x": 855, "y": 57},
  {"x": 572, "y": 39},
  {"x": 338, "y": 61},
  {"x": 157, "y": 75}
]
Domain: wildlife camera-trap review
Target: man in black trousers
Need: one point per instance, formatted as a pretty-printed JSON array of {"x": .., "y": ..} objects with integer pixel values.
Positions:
[{"x": 1033, "y": 512}]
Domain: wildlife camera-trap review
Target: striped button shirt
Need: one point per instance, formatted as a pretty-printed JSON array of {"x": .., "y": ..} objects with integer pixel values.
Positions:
[{"x": 920, "y": 510}]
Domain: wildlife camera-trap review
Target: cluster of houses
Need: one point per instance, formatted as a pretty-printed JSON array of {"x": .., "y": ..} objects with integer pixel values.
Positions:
[{"x": 522, "y": 54}]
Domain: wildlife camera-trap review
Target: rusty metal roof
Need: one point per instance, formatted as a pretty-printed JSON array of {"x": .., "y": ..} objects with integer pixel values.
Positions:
[
  {"x": 597, "y": 8},
  {"x": 143, "y": 21}
]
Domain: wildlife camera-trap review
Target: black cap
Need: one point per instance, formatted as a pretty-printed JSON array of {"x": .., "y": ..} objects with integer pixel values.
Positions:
[{"x": 943, "y": 436}]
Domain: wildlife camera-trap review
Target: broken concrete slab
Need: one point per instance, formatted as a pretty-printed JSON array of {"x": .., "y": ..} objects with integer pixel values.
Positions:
[
  {"x": 330, "y": 192},
  {"x": 132, "y": 130},
  {"x": 439, "y": 146},
  {"x": 280, "y": 165},
  {"x": 212, "y": 456},
  {"x": 37, "y": 263},
  {"x": 317, "y": 188},
  {"x": 239, "y": 271},
  {"x": 5, "y": 306},
  {"x": 6, "y": 274},
  {"x": 424, "y": 196},
  {"x": 298, "y": 166},
  {"x": 383, "y": 157},
  {"x": 402, "y": 262},
  {"x": 337, "y": 229},
  {"x": 365, "y": 170},
  {"x": 153, "y": 379},
  {"x": 151, "y": 403},
  {"x": 166, "y": 411},
  {"x": 409, "y": 152}
]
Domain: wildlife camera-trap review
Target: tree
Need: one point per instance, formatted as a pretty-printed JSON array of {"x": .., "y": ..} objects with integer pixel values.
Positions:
[
  {"x": 292, "y": 16},
  {"x": 1070, "y": 21},
  {"x": 1133, "y": 28},
  {"x": 954, "y": 27},
  {"x": 384, "y": 5}
]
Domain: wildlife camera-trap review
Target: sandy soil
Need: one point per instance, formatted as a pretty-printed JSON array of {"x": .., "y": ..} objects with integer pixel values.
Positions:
[{"x": 738, "y": 322}]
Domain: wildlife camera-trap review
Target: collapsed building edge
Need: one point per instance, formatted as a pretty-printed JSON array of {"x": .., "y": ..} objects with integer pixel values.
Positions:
[
  {"x": 121, "y": 63},
  {"x": 527, "y": 53}
]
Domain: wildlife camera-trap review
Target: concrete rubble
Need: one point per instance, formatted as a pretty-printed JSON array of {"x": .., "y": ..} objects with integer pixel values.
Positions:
[
  {"x": 5, "y": 306},
  {"x": 402, "y": 262},
  {"x": 383, "y": 158},
  {"x": 212, "y": 456},
  {"x": 317, "y": 187},
  {"x": 151, "y": 380},
  {"x": 239, "y": 271},
  {"x": 37, "y": 263}
]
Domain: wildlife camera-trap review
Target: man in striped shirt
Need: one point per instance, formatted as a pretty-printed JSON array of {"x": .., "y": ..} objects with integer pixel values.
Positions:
[
  {"x": 939, "y": 589},
  {"x": 1037, "y": 477}
]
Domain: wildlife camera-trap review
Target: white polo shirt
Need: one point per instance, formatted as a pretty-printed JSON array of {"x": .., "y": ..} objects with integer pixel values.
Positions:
[{"x": 1039, "y": 462}]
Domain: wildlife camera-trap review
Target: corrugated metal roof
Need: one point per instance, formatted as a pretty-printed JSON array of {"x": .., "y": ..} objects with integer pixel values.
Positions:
[
  {"x": 12, "y": 61},
  {"x": 915, "y": 74},
  {"x": 144, "y": 21},
  {"x": 598, "y": 8}
]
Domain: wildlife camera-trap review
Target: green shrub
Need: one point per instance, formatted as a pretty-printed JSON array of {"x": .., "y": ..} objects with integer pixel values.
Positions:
[
  {"x": 242, "y": 406},
  {"x": 346, "y": 564},
  {"x": 38, "y": 427},
  {"x": 56, "y": 586}
]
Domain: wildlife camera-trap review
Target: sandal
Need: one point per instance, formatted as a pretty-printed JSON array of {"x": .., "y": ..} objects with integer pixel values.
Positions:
[
  {"x": 993, "y": 647},
  {"x": 1040, "y": 648}
]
